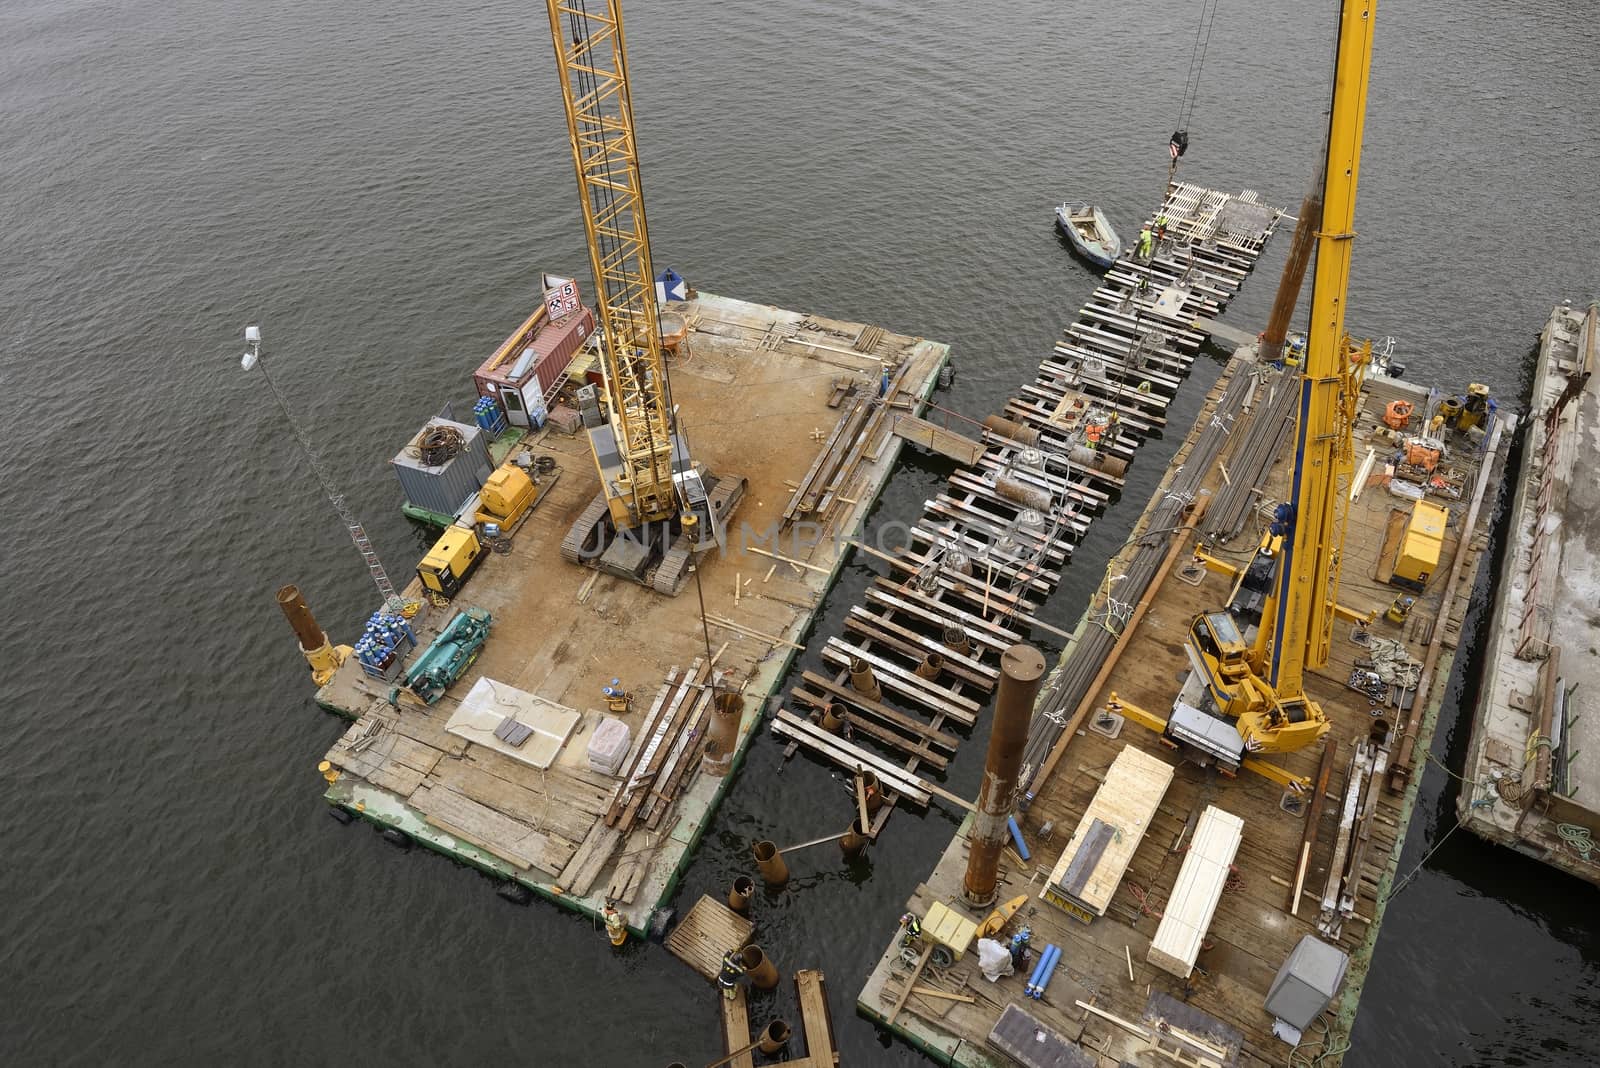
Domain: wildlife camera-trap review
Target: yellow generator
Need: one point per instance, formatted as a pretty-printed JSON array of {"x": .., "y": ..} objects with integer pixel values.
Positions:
[
  {"x": 948, "y": 932},
  {"x": 505, "y": 497},
  {"x": 1421, "y": 546},
  {"x": 451, "y": 560}
]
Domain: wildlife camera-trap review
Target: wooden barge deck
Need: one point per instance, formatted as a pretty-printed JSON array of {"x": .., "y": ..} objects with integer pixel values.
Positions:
[
  {"x": 1106, "y": 1005},
  {"x": 759, "y": 388},
  {"x": 989, "y": 548},
  {"x": 1533, "y": 763}
]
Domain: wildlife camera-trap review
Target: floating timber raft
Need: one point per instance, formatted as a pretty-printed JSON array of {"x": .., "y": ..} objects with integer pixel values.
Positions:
[
  {"x": 539, "y": 816},
  {"x": 918, "y": 660},
  {"x": 1532, "y": 776},
  {"x": 1319, "y": 864}
]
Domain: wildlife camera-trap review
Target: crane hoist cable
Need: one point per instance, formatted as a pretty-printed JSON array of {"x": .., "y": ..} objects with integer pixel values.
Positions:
[{"x": 1179, "y": 143}]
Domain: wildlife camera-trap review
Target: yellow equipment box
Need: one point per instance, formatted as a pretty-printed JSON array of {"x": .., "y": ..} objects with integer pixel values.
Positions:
[
  {"x": 505, "y": 497},
  {"x": 450, "y": 560},
  {"x": 1421, "y": 546},
  {"x": 944, "y": 926}
]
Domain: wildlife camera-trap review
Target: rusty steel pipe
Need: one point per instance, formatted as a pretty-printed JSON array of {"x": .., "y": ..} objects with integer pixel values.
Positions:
[
  {"x": 863, "y": 681},
  {"x": 774, "y": 1037},
  {"x": 763, "y": 973},
  {"x": 1294, "y": 273},
  {"x": 854, "y": 842},
  {"x": 1007, "y": 428},
  {"x": 874, "y": 791},
  {"x": 1021, "y": 672},
  {"x": 1022, "y": 493},
  {"x": 833, "y": 717},
  {"x": 955, "y": 639},
  {"x": 722, "y": 736},
  {"x": 744, "y": 888},
  {"x": 769, "y": 862},
  {"x": 932, "y": 666},
  {"x": 300, "y": 618}
]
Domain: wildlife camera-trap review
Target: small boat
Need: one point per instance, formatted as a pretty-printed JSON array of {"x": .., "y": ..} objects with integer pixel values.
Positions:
[{"x": 1086, "y": 227}]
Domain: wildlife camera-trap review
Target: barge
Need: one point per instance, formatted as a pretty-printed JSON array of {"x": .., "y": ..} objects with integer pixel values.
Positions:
[
  {"x": 1532, "y": 773},
  {"x": 570, "y": 648},
  {"x": 1338, "y": 842}
]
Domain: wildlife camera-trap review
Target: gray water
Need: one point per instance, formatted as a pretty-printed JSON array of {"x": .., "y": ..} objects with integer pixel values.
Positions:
[{"x": 379, "y": 186}]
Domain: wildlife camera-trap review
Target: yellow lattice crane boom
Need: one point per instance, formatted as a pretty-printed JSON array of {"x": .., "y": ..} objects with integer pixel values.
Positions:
[
  {"x": 593, "y": 66},
  {"x": 650, "y": 490}
]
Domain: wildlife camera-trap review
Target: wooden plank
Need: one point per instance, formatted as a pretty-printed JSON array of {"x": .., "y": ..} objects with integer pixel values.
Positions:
[
  {"x": 707, "y": 933},
  {"x": 655, "y": 754},
  {"x": 736, "y": 1030},
  {"x": 850, "y": 757},
  {"x": 948, "y": 699},
  {"x": 1196, "y": 893},
  {"x": 911, "y": 982},
  {"x": 915, "y": 645},
  {"x": 888, "y": 736},
  {"x": 592, "y": 856},
  {"x": 815, "y": 1019},
  {"x": 941, "y": 614},
  {"x": 883, "y": 712},
  {"x": 507, "y": 838},
  {"x": 1127, "y": 799},
  {"x": 641, "y": 743},
  {"x": 937, "y": 439}
]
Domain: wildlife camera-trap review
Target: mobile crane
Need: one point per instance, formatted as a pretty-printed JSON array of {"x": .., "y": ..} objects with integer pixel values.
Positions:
[
  {"x": 1259, "y": 683},
  {"x": 656, "y": 507}
]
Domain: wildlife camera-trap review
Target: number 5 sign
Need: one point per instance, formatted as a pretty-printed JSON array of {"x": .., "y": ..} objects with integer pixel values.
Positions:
[{"x": 561, "y": 300}]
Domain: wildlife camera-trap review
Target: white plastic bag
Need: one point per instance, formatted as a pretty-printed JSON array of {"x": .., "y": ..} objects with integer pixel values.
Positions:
[{"x": 994, "y": 959}]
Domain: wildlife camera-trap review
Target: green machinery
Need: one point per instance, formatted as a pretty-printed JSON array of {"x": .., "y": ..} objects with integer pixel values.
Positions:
[{"x": 448, "y": 657}]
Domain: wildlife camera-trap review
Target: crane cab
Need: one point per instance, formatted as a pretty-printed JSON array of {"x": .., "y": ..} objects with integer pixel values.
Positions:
[{"x": 1217, "y": 649}]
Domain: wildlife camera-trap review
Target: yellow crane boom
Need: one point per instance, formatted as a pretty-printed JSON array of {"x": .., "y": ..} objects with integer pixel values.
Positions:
[
  {"x": 1261, "y": 685},
  {"x": 636, "y": 472},
  {"x": 1301, "y": 621}
]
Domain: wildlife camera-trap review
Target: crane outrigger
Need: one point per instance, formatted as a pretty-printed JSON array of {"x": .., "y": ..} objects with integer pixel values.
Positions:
[{"x": 1258, "y": 681}]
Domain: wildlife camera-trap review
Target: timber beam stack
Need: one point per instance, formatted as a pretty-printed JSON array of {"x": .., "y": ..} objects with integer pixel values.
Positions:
[{"x": 990, "y": 547}]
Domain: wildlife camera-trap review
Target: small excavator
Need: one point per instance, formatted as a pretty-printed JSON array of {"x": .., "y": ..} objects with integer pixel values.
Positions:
[
  {"x": 1246, "y": 694},
  {"x": 656, "y": 507}
]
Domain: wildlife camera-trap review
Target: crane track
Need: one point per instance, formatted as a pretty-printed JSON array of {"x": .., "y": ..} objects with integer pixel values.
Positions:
[{"x": 572, "y": 546}]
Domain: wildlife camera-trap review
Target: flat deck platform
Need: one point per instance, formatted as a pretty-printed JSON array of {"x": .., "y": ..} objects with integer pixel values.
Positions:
[
  {"x": 1533, "y": 763},
  {"x": 1252, "y": 931},
  {"x": 754, "y": 389}
]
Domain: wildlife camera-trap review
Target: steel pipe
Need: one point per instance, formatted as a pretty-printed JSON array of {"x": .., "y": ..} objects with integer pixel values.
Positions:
[
  {"x": 1021, "y": 672},
  {"x": 769, "y": 862},
  {"x": 763, "y": 973}
]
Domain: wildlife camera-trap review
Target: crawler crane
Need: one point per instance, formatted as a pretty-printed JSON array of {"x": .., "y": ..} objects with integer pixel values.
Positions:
[
  {"x": 656, "y": 507},
  {"x": 1259, "y": 683}
]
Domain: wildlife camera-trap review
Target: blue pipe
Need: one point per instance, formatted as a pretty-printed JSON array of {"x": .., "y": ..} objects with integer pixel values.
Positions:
[
  {"x": 1044, "y": 980},
  {"x": 1039, "y": 969},
  {"x": 1047, "y": 961},
  {"x": 1016, "y": 836}
]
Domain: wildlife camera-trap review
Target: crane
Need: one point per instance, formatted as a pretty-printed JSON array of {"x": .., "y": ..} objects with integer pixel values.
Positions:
[
  {"x": 656, "y": 507},
  {"x": 1259, "y": 684}
]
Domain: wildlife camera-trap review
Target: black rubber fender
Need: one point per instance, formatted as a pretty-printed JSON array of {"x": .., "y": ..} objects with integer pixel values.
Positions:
[
  {"x": 396, "y": 837},
  {"x": 514, "y": 892},
  {"x": 341, "y": 815}
]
